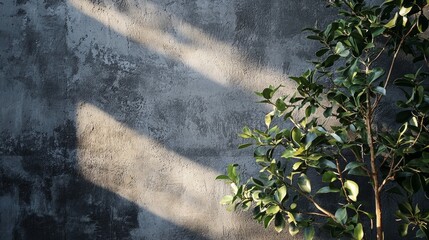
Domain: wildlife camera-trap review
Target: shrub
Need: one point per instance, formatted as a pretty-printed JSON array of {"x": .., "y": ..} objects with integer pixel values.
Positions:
[{"x": 346, "y": 87}]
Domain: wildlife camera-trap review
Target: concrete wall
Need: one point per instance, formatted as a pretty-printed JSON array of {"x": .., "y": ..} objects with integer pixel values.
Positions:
[{"x": 117, "y": 115}]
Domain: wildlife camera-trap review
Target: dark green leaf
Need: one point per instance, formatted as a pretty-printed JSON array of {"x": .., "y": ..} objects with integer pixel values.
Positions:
[
  {"x": 403, "y": 116},
  {"x": 293, "y": 229},
  {"x": 244, "y": 145},
  {"x": 309, "y": 233},
  {"x": 327, "y": 112},
  {"x": 279, "y": 222},
  {"x": 280, "y": 105},
  {"x": 353, "y": 165},
  {"x": 403, "y": 229},
  {"x": 321, "y": 52},
  {"x": 268, "y": 93},
  {"x": 329, "y": 176}
]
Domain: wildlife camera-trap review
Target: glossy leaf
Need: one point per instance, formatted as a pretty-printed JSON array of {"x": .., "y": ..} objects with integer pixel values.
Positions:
[
  {"x": 279, "y": 222},
  {"x": 358, "y": 233},
  {"x": 304, "y": 183},
  {"x": 352, "y": 189},
  {"x": 341, "y": 215}
]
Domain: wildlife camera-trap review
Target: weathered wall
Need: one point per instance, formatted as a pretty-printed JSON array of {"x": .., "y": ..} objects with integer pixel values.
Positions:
[{"x": 117, "y": 115}]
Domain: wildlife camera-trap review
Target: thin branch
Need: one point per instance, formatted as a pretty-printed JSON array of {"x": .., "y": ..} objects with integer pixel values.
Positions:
[
  {"x": 311, "y": 199},
  {"x": 389, "y": 73},
  {"x": 342, "y": 180}
]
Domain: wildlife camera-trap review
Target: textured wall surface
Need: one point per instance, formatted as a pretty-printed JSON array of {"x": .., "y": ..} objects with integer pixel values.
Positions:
[{"x": 117, "y": 115}]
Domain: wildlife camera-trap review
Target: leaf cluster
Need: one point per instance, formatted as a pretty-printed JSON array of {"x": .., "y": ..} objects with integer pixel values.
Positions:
[{"x": 345, "y": 87}]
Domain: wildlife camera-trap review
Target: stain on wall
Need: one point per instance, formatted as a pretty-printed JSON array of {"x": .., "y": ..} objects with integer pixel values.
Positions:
[{"x": 117, "y": 115}]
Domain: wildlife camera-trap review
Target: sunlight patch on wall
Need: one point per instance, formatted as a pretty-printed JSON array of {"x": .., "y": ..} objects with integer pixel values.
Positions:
[
  {"x": 114, "y": 157},
  {"x": 178, "y": 40}
]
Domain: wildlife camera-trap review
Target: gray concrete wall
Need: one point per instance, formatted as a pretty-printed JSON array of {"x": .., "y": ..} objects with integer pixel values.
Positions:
[{"x": 117, "y": 115}]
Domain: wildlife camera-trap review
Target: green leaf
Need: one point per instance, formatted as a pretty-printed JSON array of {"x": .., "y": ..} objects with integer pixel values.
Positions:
[
  {"x": 273, "y": 210},
  {"x": 337, "y": 138},
  {"x": 268, "y": 93},
  {"x": 304, "y": 183},
  {"x": 241, "y": 146},
  {"x": 222, "y": 177},
  {"x": 329, "y": 176},
  {"x": 353, "y": 165},
  {"x": 375, "y": 74},
  {"x": 232, "y": 172},
  {"x": 392, "y": 22},
  {"x": 404, "y": 10},
  {"x": 403, "y": 229},
  {"x": 279, "y": 222},
  {"x": 421, "y": 233},
  {"x": 341, "y": 215},
  {"x": 293, "y": 229},
  {"x": 352, "y": 189},
  {"x": 226, "y": 200},
  {"x": 358, "y": 232},
  {"x": 309, "y": 233},
  {"x": 327, "y": 112},
  {"x": 296, "y": 136},
  {"x": 403, "y": 116},
  {"x": 330, "y": 60},
  {"x": 267, "y": 220},
  {"x": 280, "y": 193},
  {"x": 268, "y": 119},
  {"x": 380, "y": 90},
  {"x": 325, "y": 163},
  {"x": 327, "y": 189},
  {"x": 280, "y": 105},
  {"x": 321, "y": 52}
]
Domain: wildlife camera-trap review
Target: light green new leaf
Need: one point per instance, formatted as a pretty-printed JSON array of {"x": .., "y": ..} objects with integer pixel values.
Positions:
[
  {"x": 268, "y": 118},
  {"x": 404, "y": 10},
  {"x": 226, "y": 200},
  {"x": 358, "y": 232},
  {"x": 273, "y": 210},
  {"x": 392, "y": 22},
  {"x": 352, "y": 189}
]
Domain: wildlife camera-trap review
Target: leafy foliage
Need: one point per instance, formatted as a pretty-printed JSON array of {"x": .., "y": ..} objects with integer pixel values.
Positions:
[{"x": 393, "y": 161}]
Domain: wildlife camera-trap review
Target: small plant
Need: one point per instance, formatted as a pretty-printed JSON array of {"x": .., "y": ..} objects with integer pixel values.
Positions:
[{"x": 346, "y": 87}]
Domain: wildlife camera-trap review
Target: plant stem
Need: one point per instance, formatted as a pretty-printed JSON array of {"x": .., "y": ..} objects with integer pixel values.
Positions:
[{"x": 374, "y": 171}]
